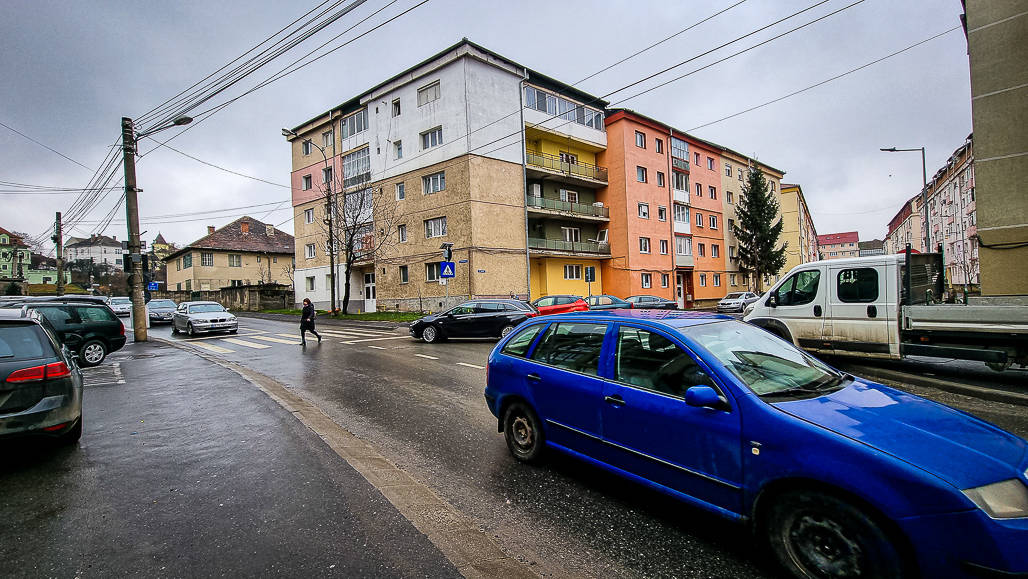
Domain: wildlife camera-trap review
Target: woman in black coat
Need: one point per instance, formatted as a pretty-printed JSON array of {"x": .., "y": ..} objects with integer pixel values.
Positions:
[{"x": 307, "y": 322}]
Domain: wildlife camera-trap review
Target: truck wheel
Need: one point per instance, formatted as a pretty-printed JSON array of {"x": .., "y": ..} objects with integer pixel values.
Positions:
[{"x": 999, "y": 366}]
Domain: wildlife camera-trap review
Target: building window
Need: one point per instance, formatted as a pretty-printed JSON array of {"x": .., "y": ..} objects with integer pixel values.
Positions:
[
  {"x": 308, "y": 215},
  {"x": 661, "y": 213},
  {"x": 647, "y": 280},
  {"x": 681, "y": 181},
  {"x": 189, "y": 285},
  {"x": 568, "y": 196},
  {"x": 679, "y": 149},
  {"x": 305, "y": 147},
  {"x": 178, "y": 286},
  {"x": 305, "y": 182},
  {"x": 640, "y": 174},
  {"x": 435, "y": 227},
  {"x": 699, "y": 190},
  {"x": 644, "y": 245},
  {"x": 571, "y": 234},
  {"x": 665, "y": 279},
  {"x": 658, "y": 145},
  {"x": 739, "y": 172},
  {"x": 235, "y": 260},
  {"x": 355, "y": 123},
  {"x": 730, "y": 197},
  {"x": 713, "y": 192},
  {"x": 772, "y": 185},
  {"x": 187, "y": 261},
  {"x": 326, "y": 175},
  {"x": 701, "y": 249},
  {"x": 178, "y": 264},
  {"x": 327, "y": 139},
  {"x": 401, "y": 233},
  {"x": 731, "y": 226},
  {"x": 357, "y": 167},
  {"x": 206, "y": 259},
  {"x": 663, "y": 247},
  {"x": 696, "y": 159},
  {"x": 401, "y": 192},
  {"x": 398, "y": 150},
  {"x": 683, "y": 245},
  {"x": 572, "y": 272},
  {"x": 731, "y": 252},
  {"x": 699, "y": 220},
  {"x": 703, "y": 280},
  {"x": 568, "y": 158},
  {"x": 404, "y": 274},
  {"x": 715, "y": 250},
  {"x": 540, "y": 100},
  {"x": 640, "y": 140},
  {"x": 717, "y": 280},
  {"x": 644, "y": 210},
  {"x": 396, "y": 107},
  {"x": 308, "y": 251},
  {"x": 728, "y": 169},
  {"x": 433, "y": 183},
  {"x": 713, "y": 221},
  {"x": 710, "y": 163},
  {"x": 681, "y": 213},
  {"x": 432, "y": 271},
  {"x": 660, "y": 179},
  {"x": 428, "y": 94},
  {"x": 432, "y": 138},
  {"x": 733, "y": 279}
]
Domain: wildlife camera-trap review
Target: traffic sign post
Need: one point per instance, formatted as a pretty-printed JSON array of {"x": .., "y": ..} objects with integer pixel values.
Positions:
[{"x": 447, "y": 269}]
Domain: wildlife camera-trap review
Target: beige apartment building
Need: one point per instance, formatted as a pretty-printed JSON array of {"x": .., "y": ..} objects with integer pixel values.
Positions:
[
  {"x": 244, "y": 252},
  {"x": 734, "y": 173},
  {"x": 797, "y": 227}
]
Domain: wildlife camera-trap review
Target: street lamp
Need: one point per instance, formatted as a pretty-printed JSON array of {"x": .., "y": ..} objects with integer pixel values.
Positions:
[
  {"x": 328, "y": 211},
  {"x": 924, "y": 191},
  {"x": 129, "y": 138}
]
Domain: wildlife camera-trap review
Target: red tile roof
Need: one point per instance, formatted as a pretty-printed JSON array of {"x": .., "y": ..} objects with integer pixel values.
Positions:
[
  {"x": 255, "y": 240},
  {"x": 836, "y": 238}
]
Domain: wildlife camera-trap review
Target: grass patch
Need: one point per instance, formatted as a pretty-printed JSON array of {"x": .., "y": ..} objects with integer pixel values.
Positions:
[{"x": 370, "y": 317}]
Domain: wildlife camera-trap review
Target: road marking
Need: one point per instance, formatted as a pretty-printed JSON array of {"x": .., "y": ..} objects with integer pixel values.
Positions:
[
  {"x": 471, "y": 365},
  {"x": 426, "y": 356},
  {"x": 293, "y": 336},
  {"x": 221, "y": 336},
  {"x": 376, "y": 339},
  {"x": 254, "y": 345},
  {"x": 212, "y": 348},
  {"x": 276, "y": 340},
  {"x": 368, "y": 333},
  {"x": 378, "y": 347}
]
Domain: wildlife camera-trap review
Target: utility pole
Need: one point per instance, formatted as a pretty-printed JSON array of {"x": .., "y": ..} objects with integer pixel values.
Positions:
[
  {"x": 128, "y": 146},
  {"x": 59, "y": 243}
]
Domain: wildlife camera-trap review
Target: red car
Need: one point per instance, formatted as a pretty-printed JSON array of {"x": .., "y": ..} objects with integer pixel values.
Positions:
[{"x": 560, "y": 304}]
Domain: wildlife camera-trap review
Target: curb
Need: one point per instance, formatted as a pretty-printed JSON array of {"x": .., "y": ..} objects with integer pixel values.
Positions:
[
  {"x": 322, "y": 321},
  {"x": 900, "y": 378}
]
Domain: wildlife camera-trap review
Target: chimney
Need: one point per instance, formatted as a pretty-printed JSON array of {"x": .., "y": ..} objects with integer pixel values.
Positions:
[
  {"x": 210, "y": 229},
  {"x": 244, "y": 227},
  {"x": 269, "y": 229}
]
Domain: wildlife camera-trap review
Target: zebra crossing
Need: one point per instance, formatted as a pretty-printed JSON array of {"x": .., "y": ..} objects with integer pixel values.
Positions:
[{"x": 261, "y": 340}]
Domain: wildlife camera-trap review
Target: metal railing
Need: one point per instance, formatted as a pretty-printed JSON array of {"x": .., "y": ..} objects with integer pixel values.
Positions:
[
  {"x": 570, "y": 246},
  {"x": 554, "y": 163},
  {"x": 567, "y": 207}
]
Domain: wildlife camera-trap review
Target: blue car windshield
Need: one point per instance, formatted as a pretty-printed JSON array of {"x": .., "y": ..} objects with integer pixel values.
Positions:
[{"x": 767, "y": 365}]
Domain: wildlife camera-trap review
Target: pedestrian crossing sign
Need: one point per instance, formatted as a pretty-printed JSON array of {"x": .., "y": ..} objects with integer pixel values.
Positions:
[{"x": 446, "y": 269}]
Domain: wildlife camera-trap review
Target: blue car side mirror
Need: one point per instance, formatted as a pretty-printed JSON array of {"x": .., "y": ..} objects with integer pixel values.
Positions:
[{"x": 704, "y": 396}]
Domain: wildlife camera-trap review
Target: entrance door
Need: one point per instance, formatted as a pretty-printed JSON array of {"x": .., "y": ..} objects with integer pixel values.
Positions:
[
  {"x": 369, "y": 292},
  {"x": 680, "y": 290}
]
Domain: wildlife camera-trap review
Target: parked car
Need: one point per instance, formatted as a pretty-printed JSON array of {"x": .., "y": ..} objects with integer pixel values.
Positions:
[
  {"x": 652, "y": 302},
  {"x": 90, "y": 330},
  {"x": 605, "y": 302},
  {"x": 41, "y": 386},
  {"x": 160, "y": 311},
  {"x": 67, "y": 298},
  {"x": 559, "y": 304},
  {"x": 839, "y": 475},
  {"x": 736, "y": 301},
  {"x": 122, "y": 306},
  {"x": 201, "y": 317},
  {"x": 473, "y": 319}
]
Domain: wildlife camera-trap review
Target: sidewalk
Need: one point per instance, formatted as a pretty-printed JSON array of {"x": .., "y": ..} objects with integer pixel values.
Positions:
[{"x": 185, "y": 469}]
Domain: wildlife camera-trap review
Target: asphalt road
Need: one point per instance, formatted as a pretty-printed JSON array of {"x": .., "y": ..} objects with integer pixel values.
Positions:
[{"x": 421, "y": 406}]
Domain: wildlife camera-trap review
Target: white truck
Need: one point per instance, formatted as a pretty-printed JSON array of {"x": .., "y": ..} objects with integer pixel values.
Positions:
[{"x": 886, "y": 306}]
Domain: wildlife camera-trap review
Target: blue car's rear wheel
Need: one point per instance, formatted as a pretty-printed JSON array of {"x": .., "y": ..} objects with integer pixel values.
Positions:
[
  {"x": 524, "y": 432},
  {"x": 817, "y": 535}
]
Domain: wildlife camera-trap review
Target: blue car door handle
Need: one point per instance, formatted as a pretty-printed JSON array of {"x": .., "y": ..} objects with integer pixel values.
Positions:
[
  {"x": 533, "y": 377},
  {"x": 615, "y": 399}
]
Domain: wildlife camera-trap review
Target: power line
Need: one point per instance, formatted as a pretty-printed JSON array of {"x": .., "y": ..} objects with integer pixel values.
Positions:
[
  {"x": 47, "y": 147},
  {"x": 209, "y": 164}
]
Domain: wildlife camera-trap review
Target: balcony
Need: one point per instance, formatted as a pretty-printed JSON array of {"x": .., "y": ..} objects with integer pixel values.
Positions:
[
  {"x": 682, "y": 227},
  {"x": 542, "y": 165},
  {"x": 684, "y": 261},
  {"x": 559, "y": 246},
  {"x": 680, "y": 164},
  {"x": 681, "y": 196},
  {"x": 566, "y": 209}
]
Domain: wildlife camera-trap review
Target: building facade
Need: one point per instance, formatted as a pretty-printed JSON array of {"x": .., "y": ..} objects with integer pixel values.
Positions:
[
  {"x": 244, "y": 252},
  {"x": 98, "y": 249},
  {"x": 839, "y": 245},
  {"x": 953, "y": 217},
  {"x": 798, "y": 230}
]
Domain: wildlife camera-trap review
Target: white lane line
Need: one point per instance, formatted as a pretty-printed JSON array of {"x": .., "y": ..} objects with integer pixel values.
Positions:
[
  {"x": 378, "y": 347},
  {"x": 254, "y": 345},
  {"x": 213, "y": 348},
  {"x": 276, "y": 340},
  {"x": 366, "y": 333},
  {"x": 331, "y": 335},
  {"x": 220, "y": 336},
  {"x": 471, "y": 365},
  {"x": 376, "y": 339},
  {"x": 426, "y": 356}
]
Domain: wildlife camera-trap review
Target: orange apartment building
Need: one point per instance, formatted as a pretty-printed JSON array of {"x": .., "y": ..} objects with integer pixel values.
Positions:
[
  {"x": 638, "y": 195},
  {"x": 708, "y": 225}
]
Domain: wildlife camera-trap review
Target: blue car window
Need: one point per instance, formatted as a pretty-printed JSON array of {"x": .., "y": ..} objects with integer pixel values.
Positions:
[
  {"x": 653, "y": 362},
  {"x": 574, "y": 346},
  {"x": 519, "y": 344}
]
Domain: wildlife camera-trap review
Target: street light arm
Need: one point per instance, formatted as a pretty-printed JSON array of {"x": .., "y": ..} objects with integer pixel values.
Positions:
[{"x": 178, "y": 122}]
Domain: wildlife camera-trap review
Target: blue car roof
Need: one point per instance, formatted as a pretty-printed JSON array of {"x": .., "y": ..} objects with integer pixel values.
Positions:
[{"x": 672, "y": 318}]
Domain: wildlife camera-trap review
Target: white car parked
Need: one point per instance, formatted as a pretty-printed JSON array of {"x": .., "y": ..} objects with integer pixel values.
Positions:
[
  {"x": 121, "y": 305},
  {"x": 736, "y": 301}
]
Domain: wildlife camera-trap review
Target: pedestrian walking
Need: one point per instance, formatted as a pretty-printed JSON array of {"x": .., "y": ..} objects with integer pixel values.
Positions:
[{"x": 307, "y": 322}]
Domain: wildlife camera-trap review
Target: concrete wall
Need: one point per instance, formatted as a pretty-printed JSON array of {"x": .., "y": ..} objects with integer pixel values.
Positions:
[{"x": 244, "y": 298}]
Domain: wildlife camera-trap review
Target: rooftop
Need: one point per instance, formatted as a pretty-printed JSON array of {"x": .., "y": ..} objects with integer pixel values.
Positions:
[
  {"x": 244, "y": 234},
  {"x": 834, "y": 238}
]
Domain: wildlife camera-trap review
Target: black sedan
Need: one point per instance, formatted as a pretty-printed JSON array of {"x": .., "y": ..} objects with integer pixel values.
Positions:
[
  {"x": 473, "y": 319},
  {"x": 652, "y": 303},
  {"x": 605, "y": 302}
]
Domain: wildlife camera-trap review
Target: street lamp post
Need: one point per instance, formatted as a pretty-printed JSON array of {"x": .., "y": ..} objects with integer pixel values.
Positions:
[
  {"x": 924, "y": 192},
  {"x": 329, "y": 212},
  {"x": 129, "y": 139}
]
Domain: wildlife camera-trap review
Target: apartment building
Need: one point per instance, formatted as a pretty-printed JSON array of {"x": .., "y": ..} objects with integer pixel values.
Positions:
[
  {"x": 709, "y": 274},
  {"x": 953, "y": 216},
  {"x": 244, "y": 252},
  {"x": 798, "y": 231},
  {"x": 839, "y": 245},
  {"x": 99, "y": 249},
  {"x": 905, "y": 227},
  {"x": 734, "y": 176}
]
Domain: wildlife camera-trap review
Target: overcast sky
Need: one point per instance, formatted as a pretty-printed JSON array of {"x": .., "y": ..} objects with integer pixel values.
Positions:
[{"x": 71, "y": 70}]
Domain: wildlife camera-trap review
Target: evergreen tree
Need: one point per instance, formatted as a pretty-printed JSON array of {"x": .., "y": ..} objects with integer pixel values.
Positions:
[{"x": 758, "y": 229}]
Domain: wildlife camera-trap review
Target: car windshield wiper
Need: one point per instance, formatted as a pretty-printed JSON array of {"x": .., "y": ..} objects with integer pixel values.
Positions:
[{"x": 793, "y": 391}]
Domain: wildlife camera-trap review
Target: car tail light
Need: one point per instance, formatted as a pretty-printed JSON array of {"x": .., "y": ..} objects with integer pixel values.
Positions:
[
  {"x": 122, "y": 328},
  {"x": 39, "y": 373}
]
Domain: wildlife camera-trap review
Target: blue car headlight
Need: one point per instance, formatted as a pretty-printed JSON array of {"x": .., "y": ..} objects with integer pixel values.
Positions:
[{"x": 1002, "y": 500}]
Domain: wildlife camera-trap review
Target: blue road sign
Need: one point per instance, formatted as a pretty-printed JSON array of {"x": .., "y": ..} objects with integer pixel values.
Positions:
[
  {"x": 152, "y": 286},
  {"x": 447, "y": 269}
]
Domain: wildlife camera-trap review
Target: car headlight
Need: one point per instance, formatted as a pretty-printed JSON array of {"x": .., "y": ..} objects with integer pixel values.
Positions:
[{"x": 1003, "y": 500}]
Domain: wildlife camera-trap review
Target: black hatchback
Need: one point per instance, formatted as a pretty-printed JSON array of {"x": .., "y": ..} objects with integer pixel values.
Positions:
[
  {"x": 473, "y": 319},
  {"x": 89, "y": 330}
]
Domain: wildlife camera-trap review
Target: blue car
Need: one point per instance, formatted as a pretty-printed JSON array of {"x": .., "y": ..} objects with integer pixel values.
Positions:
[{"x": 841, "y": 476}]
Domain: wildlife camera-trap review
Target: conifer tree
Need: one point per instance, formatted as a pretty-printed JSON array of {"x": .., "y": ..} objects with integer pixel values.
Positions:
[{"x": 758, "y": 229}]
